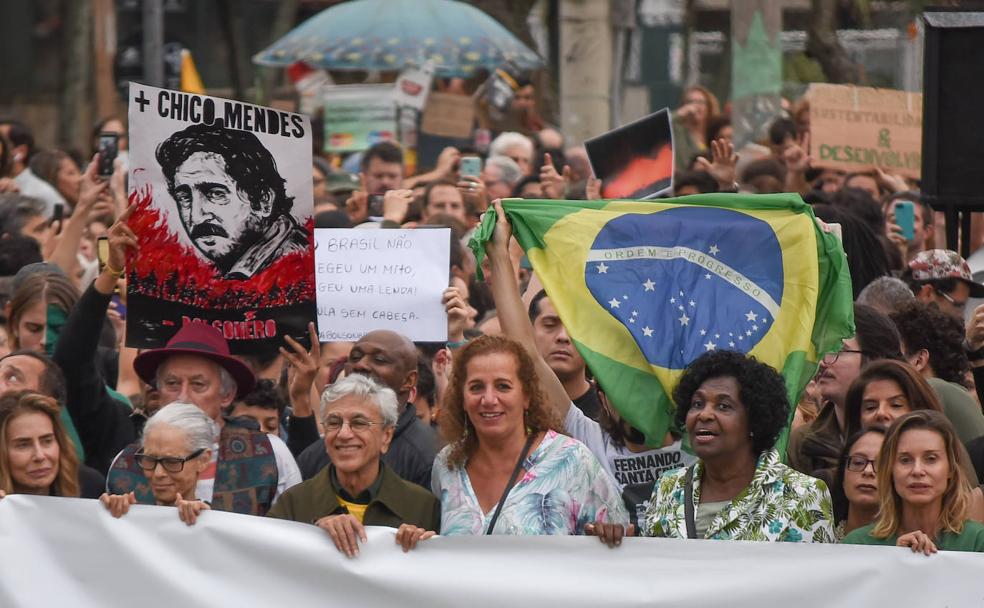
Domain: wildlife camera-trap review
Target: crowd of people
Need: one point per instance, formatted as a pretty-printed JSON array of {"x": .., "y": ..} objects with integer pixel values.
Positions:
[{"x": 502, "y": 429}]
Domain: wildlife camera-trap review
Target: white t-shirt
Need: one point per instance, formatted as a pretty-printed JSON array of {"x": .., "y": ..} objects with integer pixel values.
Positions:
[
  {"x": 288, "y": 475},
  {"x": 32, "y": 185},
  {"x": 634, "y": 472}
]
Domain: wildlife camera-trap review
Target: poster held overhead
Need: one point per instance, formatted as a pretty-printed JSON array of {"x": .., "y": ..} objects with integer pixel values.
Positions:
[
  {"x": 223, "y": 220},
  {"x": 382, "y": 279},
  {"x": 635, "y": 160}
]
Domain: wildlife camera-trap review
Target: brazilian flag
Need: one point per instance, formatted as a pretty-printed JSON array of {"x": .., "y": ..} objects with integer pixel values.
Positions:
[{"x": 645, "y": 287}]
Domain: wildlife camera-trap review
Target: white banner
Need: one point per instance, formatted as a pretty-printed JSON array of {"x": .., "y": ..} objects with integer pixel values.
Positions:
[{"x": 71, "y": 552}]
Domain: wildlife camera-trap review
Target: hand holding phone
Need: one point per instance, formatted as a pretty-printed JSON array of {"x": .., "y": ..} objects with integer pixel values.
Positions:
[
  {"x": 109, "y": 146},
  {"x": 905, "y": 218},
  {"x": 471, "y": 166}
]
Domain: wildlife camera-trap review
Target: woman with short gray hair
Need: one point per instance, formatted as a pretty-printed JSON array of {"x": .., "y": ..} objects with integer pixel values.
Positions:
[{"x": 175, "y": 449}]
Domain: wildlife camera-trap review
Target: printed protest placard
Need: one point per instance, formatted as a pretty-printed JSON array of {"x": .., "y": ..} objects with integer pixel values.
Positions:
[
  {"x": 413, "y": 86},
  {"x": 382, "y": 279},
  {"x": 358, "y": 116},
  {"x": 223, "y": 220},
  {"x": 635, "y": 160},
  {"x": 860, "y": 128}
]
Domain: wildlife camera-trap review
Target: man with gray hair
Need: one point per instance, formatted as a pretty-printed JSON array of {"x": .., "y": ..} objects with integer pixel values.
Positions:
[
  {"x": 500, "y": 176},
  {"x": 517, "y": 147},
  {"x": 359, "y": 416},
  {"x": 885, "y": 294},
  {"x": 24, "y": 216}
]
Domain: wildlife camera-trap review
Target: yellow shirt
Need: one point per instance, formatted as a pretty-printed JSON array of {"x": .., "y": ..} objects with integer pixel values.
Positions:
[{"x": 359, "y": 511}]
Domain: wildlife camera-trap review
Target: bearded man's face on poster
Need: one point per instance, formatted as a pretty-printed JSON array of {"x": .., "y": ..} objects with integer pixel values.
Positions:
[{"x": 218, "y": 215}]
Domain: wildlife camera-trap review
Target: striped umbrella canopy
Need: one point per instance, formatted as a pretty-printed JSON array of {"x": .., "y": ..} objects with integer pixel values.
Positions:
[{"x": 390, "y": 34}]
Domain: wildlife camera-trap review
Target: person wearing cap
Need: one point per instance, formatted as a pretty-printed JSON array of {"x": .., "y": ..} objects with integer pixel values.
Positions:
[{"x": 943, "y": 277}]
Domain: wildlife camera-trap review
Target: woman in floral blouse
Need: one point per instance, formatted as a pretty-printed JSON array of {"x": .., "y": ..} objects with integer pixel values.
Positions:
[{"x": 734, "y": 408}]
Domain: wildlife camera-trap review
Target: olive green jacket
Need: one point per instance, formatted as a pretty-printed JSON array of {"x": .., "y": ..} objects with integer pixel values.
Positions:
[{"x": 397, "y": 502}]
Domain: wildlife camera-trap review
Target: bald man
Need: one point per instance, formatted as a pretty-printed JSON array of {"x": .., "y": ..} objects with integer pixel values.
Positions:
[{"x": 390, "y": 359}]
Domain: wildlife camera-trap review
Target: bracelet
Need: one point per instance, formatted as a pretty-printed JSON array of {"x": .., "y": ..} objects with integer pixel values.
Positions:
[
  {"x": 456, "y": 345},
  {"x": 113, "y": 271}
]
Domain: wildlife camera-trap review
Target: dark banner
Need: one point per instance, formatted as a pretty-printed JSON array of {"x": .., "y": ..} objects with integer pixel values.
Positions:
[
  {"x": 224, "y": 220},
  {"x": 634, "y": 161}
]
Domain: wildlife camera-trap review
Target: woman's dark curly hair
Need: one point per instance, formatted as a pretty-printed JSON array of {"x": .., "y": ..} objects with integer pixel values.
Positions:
[
  {"x": 453, "y": 422},
  {"x": 924, "y": 325},
  {"x": 760, "y": 389}
]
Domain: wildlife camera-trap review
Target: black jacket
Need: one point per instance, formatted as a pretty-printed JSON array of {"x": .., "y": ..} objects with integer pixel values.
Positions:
[
  {"x": 103, "y": 423},
  {"x": 411, "y": 453}
]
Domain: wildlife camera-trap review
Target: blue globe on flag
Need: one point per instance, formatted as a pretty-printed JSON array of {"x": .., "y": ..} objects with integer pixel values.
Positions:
[{"x": 688, "y": 280}]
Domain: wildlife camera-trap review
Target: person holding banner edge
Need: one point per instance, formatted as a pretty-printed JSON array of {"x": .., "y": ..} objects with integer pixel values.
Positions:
[{"x": 924, "y": 494}]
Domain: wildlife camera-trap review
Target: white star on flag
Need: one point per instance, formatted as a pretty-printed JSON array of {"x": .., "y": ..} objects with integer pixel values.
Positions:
[
  {"x": 635, "y": 313},
  {"x": 647, "y": 331},
  {"x": 703, "y": 332},
  {"x": 731, "y": 344},
  {"x": 714, "y": 250},
  {"x": 751, "y": 316},
  {"x": 748, "y": 333},
  {"x": 755, "y": 327},
  {"x": 672, "y": 300},
  {"x": 684, "y": 320},
  {"x": 625, "y": 297},
  {"x": 649, "y": 285},
  {"x": 602, "y": 269},
  {"x": 692, "y": 303},
  {"x": 707, "y": 276},
  {"x": 614, "y": 303},
  {"x": 710, "y": 346}
]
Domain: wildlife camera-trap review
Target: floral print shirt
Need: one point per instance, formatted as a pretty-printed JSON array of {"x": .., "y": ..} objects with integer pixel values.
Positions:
[
  {"x": 563, "y": 490},
  {"x": 780, "y": 504}
]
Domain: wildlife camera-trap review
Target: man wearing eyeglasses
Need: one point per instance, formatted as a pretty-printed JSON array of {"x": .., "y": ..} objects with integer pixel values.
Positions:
[
  {"x": 390, "y": 359},
  {"x": 943, "y": 277},
  {"x": 815, "y": 448},
  {"x": 359, "y": 417}
]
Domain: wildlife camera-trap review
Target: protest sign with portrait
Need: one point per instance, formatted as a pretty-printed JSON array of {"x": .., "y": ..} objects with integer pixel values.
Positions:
[{"x": 223, "y": 218}]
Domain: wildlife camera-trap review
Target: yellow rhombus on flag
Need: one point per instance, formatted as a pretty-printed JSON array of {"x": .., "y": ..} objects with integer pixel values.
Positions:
[{"x": 645, "y": 287}]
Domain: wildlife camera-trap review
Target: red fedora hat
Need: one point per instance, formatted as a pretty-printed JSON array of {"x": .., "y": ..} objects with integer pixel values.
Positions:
[{"x": 201, "y": 340}]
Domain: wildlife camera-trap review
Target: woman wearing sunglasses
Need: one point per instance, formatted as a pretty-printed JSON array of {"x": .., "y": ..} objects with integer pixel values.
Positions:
[{"x": 175, "y": 449}]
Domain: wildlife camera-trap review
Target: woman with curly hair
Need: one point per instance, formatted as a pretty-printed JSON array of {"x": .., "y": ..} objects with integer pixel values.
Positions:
[
  {"x": 507, "y": 469},
  {"x": 924, "y": 495},
  {"x": 734, "y": 408}
]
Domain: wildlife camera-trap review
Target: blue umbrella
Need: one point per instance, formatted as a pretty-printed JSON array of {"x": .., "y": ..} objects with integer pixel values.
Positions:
[{"x": 389, "y": 34}]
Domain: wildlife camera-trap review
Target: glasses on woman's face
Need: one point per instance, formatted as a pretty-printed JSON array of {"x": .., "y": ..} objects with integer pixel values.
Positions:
[
  {"x": 858, "y": 463},
  {"x": 831, "y": 358},
  {"x": 171, "y": 464}
]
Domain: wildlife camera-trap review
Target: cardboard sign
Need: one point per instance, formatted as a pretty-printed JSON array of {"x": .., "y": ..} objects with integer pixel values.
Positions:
[
  {"x": 223, "y": 220},
  {"x": 382, "y": 279},
  {"x": 860, "y": 128},
  {"x": 634, "y": 161},
  {"x": 413, "y": 86},
  {"x": 358, "y": 116},
  {"x": 448, "y": 115}
]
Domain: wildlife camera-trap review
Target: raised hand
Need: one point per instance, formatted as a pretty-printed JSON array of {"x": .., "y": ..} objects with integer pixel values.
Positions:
[
  {"x": 795, "y": 155},
  {"x": 723, "y": 163},
  {"x": 457, "y": 309},
  {"x": 396, "y": 203},
  {"x": 306, "y": 364},
  {"x": 592, "y": 189},
  {"x": 554, "y": 184}
]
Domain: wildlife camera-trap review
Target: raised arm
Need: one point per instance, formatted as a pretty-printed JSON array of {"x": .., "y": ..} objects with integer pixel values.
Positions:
[{"x": 513, "y": 318}]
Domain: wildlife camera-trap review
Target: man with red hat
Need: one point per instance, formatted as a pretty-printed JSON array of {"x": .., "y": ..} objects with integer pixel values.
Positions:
[
  {"x": 943, "y": 277},
  {"x": 250, "y": 469}
]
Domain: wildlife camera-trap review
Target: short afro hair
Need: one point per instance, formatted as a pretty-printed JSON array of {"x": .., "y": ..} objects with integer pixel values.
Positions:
[{"x": 760, "y": 389}]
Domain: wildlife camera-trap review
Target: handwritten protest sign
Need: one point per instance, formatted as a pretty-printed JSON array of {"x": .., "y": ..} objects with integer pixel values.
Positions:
[
  {"x": 382, "y": 279},
  {"x": 223, "y": 219},
  {"x": 860, "y": 128},
  {"x": 358, "y": 116},
  {"x": 448, "y": 115}
]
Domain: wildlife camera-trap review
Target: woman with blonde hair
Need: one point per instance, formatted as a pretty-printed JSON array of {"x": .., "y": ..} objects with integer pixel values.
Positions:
[
  {"x": 924, "y": 495},
  {"x": 36, "y": 454}
]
